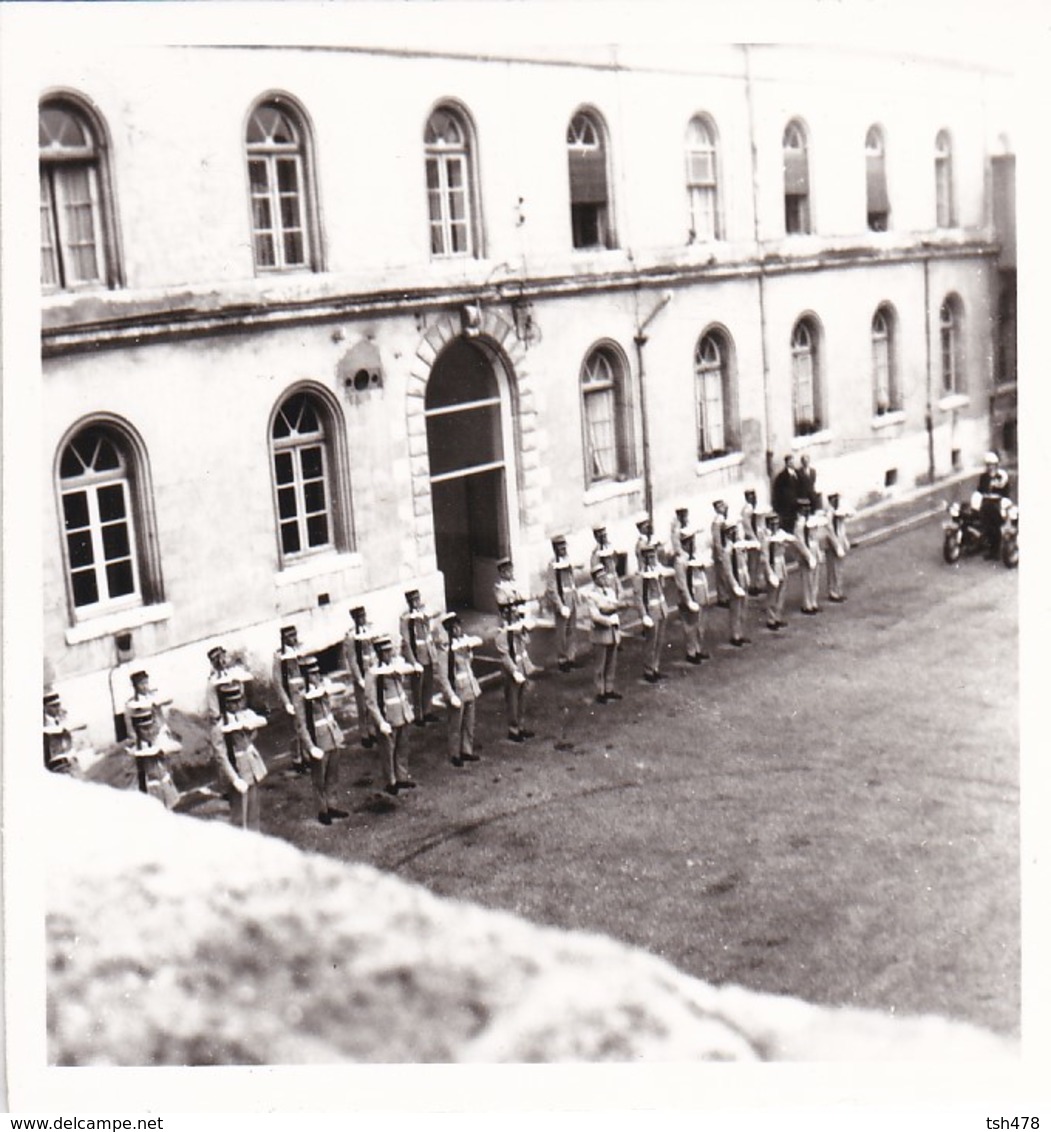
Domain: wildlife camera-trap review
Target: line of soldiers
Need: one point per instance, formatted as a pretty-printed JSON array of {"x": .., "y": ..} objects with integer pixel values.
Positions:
[{"x": 394, "y": 689}]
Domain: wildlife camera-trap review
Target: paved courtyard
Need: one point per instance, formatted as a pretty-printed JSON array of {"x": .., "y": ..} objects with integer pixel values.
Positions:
[{"x": 831, "y": 812}]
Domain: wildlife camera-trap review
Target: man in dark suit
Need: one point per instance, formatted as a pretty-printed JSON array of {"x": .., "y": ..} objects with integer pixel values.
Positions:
[
  {"x": 808, "y": 483},
  {"x": 994, "y": 484},
  {"x": 785, "y": 494}
]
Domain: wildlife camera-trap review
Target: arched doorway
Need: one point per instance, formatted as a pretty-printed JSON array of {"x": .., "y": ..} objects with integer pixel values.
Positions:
[{"x": 466, "y": 447}]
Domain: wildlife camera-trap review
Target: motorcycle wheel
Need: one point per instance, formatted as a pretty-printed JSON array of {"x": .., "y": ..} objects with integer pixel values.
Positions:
[
  {"x": 1009, "y": 553},
  {"x": 951, "y": 547}
]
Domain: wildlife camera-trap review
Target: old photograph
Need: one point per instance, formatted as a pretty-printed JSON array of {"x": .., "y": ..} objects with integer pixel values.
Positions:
[{"x": 529, "y": 548}]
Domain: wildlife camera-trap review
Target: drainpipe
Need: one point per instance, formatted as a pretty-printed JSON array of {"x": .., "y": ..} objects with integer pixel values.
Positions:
[
  {"x": 640, "y": 342},
  {"x": 759, "y": 260},
  {"x": 929, "y": 417}
]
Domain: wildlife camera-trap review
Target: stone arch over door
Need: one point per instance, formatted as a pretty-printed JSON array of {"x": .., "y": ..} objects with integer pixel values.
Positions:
[{"x": 496, "y": 339}]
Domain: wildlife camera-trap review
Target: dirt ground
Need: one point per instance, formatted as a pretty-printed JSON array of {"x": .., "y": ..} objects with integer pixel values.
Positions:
[{"x": 831, "y": 812}]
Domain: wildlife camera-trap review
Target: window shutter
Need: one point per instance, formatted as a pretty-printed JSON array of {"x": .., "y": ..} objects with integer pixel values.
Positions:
[
  {"x": 877, "y": 185},
  {"x": 797, "y": 180},
  {"x": 587, "y": 178}
]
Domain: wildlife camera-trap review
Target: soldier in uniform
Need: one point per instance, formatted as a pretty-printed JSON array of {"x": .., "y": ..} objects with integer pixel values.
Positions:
[
  {"x": 150, "y": 740},
  {"x": 751, "y": 531},
  {"x": 720, "y": 541},
  {"x": 506, "y": 588},
  {"x": 679, "y": 525},
  {"x": 288, "y": 681},
  {"x": 644, "y": 525},
  {"x": 358, "y": 657},
  {"x": 417, "y": 644},
  {"x": 775, "y": 569},
  {"x": 562, "y": 597},
  {"x": 237, "y": 759},
  {"x": 320, "y": 735},
  {"x": 692, "y": 587},
  {"x": 605, "y": 605},
  {"x": 654, "y": 611},
  {"x": 391, "y": 710},
  {"x": 837, "y": 543},
  {"x": 511, "y": 642},
  {"x": 737, "y": 560},
  {"x": 808, "y": 548},
  {"x": 60, "y": 754},
  {"x": 455, "y": 670},
  {"x": 602, "y": 554},
  {"x": 993, "y": 485}
]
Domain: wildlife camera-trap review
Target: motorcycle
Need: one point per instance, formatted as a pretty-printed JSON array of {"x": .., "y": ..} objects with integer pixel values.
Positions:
[{"x": 964, "y": 533}]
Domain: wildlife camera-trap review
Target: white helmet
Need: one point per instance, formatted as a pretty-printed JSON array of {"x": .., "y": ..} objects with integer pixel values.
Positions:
[{"x": 992, "y": 458}]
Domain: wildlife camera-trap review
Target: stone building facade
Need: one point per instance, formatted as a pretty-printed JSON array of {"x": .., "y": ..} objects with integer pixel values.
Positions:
[{"x": 322, "y": 323}]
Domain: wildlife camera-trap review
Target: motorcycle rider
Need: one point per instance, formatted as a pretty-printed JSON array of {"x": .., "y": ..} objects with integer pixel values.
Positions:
[{"x": 993, "y": 485}]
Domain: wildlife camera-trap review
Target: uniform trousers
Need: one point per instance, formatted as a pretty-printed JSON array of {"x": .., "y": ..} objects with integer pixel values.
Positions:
[
  {"x": 423, "y": 690},
  {"x": 655, "y": 643},
  {"x": 754, "y": 559},
  {"x": 738, "y": 608},
  {"x": 834, "y": 566},
  {"x": 565, "y": 628},
  {"x": 366, "y": 725},
  {"x": 244, "y": 808},
  {"x": 775, "y": 601},
  {"x": 460, "y": 736},
  {"x": 692, "y": 630},
  {"x": 324, "y": 773},
  {"x": 723, "y": 589},
  {"x": 606, "y": 667},
  {"x": 514, "y": 701},
  {"x": 394, "y": 749},
  {"x": 808, "y": 575}
]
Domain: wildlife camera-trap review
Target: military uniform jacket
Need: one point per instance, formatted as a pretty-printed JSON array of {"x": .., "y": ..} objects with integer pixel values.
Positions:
[
  {"x": 287, "y": 678},
  {"x": 455, "y": 668},
  {"x": 359, "y": 653},
  {"x": 315, "y": 722},
  {"x": 808, "y": 540},
  {"x": 836, "y": 536},
  {"x": 737, "y": 557},
  {"x": 748, "y": 521},
  {"x": 775, "y": 568},
  {"x": 720, "y": 546},
  {"x": 156, "y": 739},
  {"x": 690, "y": 582},
  {"x": 561, "y": 584},
  {"x": 650, "y": 593},
  {"x": 417, "y": 638},
  {"x": 675, "y": 536},
  {"x": 506, "y": 592},
  {"x": 385, "y": 694},
  {"x": 604, "y": 606},
  {"x": 643, "y": 541},
  {"x": 606, "y": 557},
  {"x": 512, "y": 643},
  {"x": 234, "y": 674},
  {"x": 236, "y": 753}
]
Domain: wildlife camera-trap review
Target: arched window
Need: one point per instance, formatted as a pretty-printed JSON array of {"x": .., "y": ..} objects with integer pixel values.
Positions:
[
  {"x": 450, "y": 200},
  {"x": 877, "y": 202},
  {"x": 797, "y": 179},
  {"x": 702, "y": 183},
  {"x": 307, "y": 459},
  {"x": 589, "y": 182},
  {"x": 77, "y": 224},
  {"x": 284, "y": 222},
  {"x": 608, "y": 448},
  {"x": 716, "y": 421},
  {"x": 807, "y": 414},
  {"x": 945, "y": 213},
  {"x": 886, "y": 394},
  {"x": 106, "y": 517},
  {"x": 951, "y": 331}
]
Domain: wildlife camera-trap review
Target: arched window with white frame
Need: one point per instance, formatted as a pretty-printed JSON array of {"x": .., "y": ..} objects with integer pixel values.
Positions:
[
  {"x": 945, "y": 210},
  {"x": 109, "y": 544},
  {"x": 950, "y": 324},
  {"x": 589, "y": 196},
  {"x": 285, "y": 234},
  {"x": 807, "y": 414},
  {"x": 702, "y": 180},
  {"x": 450, "y": 196},
  {"x": 796, "y": 159},
  {"x": 608, "y": 445},
  {"x": 886, "y": 392},
  {"x": 716, "y": 417},
  {"x": 78, "y": 240},
  {"x": 877, "y": 202},
  {"x": 309, "y": 476}
]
